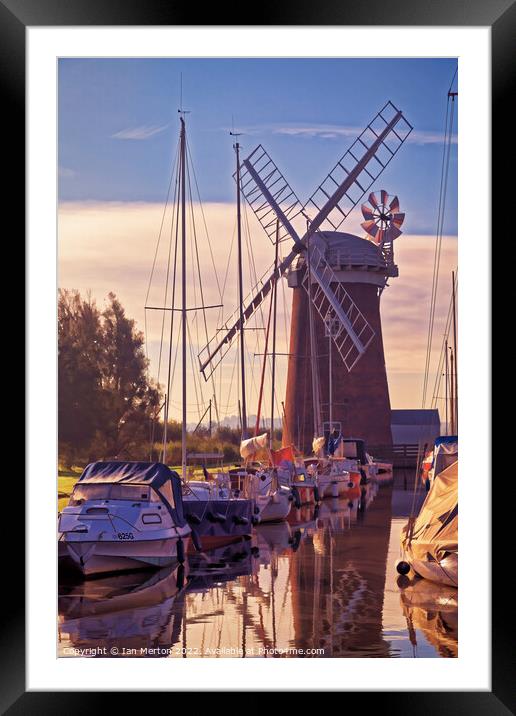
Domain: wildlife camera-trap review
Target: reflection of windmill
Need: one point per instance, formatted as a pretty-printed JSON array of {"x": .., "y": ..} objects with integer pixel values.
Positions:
[{"x": 273, "y": 200}]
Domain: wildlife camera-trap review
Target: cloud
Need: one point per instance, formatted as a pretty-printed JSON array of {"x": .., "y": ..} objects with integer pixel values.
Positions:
[
  {"x": 109, "y": 246},
  {"x": 336, "y": 131},
  {"x": 66, "y": 173},
  {"x": 139, "y": 133}
]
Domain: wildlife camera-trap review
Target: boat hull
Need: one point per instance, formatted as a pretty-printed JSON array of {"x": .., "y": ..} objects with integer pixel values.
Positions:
[
  {"x": 219, "y": 522},
  {"x": 444, "y": 572},
  {"x": 277, "y": 507},
  {"x": 98, "y": 557}
]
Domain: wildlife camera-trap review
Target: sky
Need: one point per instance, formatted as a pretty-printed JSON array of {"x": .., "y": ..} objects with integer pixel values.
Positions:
[{"x": 118, "y": 134}]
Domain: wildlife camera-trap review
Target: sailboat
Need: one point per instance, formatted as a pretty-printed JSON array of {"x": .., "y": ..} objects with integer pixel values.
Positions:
[
  {"x": 260, "y": 483},
  {"x": 217, "y": 513}
]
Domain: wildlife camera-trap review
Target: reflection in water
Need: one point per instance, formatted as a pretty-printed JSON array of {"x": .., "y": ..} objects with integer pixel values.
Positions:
[{"x": 323, "y": 581}]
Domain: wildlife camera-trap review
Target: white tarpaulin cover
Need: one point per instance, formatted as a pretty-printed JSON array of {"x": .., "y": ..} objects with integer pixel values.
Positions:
[
  {"x": 250, "y": 447},
  {"x": 434, "y": 534},
  {"x": 318, "y": 446}
]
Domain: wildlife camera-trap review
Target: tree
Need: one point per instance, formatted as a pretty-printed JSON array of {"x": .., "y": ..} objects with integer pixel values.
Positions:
[
  {"x": 129, "y": 398},
  {"x": 105, "y": 398},
  {"x": 79, "y": 376}
]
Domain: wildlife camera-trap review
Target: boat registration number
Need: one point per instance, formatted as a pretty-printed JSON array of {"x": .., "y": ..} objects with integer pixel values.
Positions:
[{"x": 125, "y": 535}]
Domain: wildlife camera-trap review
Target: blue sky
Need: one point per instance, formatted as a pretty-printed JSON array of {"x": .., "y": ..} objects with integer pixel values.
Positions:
[{"x": 118, "y": 124}]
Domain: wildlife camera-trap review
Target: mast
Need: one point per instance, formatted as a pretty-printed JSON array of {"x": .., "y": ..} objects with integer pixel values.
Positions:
[
  {"x": 452, "y": 393},
  {"x": 313, "y": 351},
  {"x": 446, "y": 383},
  {"x": 274, "y": 317},
  {"x": 454, "y": 315},
  {"x": 183, "y": 292},
  {"x": 240, "y": 290},
  {"x": 330, "y": 386}
]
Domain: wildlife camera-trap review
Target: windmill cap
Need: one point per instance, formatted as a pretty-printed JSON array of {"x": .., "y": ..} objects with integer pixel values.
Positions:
[{"x": 349, "y": 250}]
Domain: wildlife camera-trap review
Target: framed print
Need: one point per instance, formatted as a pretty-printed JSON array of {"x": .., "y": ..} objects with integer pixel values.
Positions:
[{"x": 258, "y": 271}]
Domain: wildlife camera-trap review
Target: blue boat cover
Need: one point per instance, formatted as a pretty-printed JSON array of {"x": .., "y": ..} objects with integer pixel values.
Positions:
[
  {"x": 154, "y": 474},
  {"x": 446, "y": 440}
]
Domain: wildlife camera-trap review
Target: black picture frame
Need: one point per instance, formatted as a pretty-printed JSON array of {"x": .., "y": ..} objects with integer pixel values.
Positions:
[{"x": 15, "y": 17}]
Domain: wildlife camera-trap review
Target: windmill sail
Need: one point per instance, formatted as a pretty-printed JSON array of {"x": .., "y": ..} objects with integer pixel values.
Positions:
[
  {"x": 358, "y": 168},
  {"x": 271, "y": 198}
]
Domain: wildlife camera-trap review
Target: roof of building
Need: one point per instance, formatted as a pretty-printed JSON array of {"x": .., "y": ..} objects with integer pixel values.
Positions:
[{"x": 421, "y": 416}]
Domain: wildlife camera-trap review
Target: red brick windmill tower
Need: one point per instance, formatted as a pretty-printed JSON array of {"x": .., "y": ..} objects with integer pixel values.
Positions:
[
  {"x": 350, "y": 312},
  {"x": 355, "y": 401}
]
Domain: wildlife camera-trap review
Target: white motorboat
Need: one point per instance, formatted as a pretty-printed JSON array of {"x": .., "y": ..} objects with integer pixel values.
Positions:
[
  {"x": 124, "y": 515},
  {"x": 335, "y": 479}
]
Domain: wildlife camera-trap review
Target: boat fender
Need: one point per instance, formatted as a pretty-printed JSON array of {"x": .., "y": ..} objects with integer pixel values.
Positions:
[
  {"x": 240, "y": 520},
  {"x": 296, "y": 541},
  {"x": 363, "y": 477},
  {"x": 403, "y": 581},
  {"x": 316, "y": 512},
  {"x": 427, "y": 484},
  {"x": 196, "y": 541},
  {"x": 193, "y": 519},
  {"x": 402, "y": 567},
  {"x": 180, "y": 579},
  {"x": 180, "y": 549},
  {"x": 216, "y": 517},
  {"x": 317, "y": 496},
  {"x": 296, "y": 496}
]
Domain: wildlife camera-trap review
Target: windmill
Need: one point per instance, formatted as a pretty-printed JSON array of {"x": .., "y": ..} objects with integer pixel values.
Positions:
[{"x": 274, "y": 202}]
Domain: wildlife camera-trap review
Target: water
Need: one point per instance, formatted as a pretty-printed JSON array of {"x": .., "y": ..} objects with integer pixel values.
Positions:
[{"x": 318, "y": 586}]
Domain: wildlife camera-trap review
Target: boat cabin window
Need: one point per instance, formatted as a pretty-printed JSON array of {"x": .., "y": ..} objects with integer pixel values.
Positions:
[
  {"x": 109, "y": 491},
  {"x": 166, "y": 491},
  {"x": 350, "y": 450}
]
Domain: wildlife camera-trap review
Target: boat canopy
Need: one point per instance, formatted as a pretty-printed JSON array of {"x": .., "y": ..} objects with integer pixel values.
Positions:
[
  {"x": 446, "y": 440},
  {"x": 249, "y": 448},
  {"x": 153, "y": 474},
  {"x": 446, "y": 451},
  {"x": 434, "y": 533},
  {"x": 354, "y": 448}
]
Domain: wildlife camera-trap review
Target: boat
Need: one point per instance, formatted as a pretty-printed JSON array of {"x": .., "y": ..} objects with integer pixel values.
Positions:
[
  {"x": 336, "y": 476},
  {"x": 218, "y": 513},
  {"x": 259, "y": 482},
  {"x": 444, "y": 452},
  {"x": 295, "y": 474},
  {"x": 357, "y": 460},
  {"x": 124, "y": 515},
  {"x": 429, "y": 541}
]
